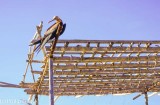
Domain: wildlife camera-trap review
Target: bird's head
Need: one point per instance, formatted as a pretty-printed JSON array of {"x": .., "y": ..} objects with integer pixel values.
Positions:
[{"x": 56, "y": 18}]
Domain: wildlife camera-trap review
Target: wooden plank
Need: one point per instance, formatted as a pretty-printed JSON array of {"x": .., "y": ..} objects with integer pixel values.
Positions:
[
  {"x": 104, "y": 52},
  {"x": 105, "y": 59},
  {"x": 109, "y": 41},
  {"x": 69, "y": 59},
  {"x": 104, "y": 49},
  {"x": 89, "y": 93},
  {"x": 103, "y": 66},
  {"x": 100, "y": 72}
]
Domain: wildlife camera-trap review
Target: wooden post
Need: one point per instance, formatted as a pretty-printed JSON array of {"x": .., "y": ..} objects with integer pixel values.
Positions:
[
  {"x": 36, "y": 98},
  {"x": 51, "y": 89},
  {"x": 146, "y": 97},
  {"x": 51, "y": 85}
]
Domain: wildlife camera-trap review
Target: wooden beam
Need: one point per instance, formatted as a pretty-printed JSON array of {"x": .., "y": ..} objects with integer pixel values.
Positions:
[
  {"x": 9, "y": 85},
  {"x": 86, "y": 78},
  {"x": 104, "y": 59},
  {"x": 103, "y": 52},
  {"x": 100, "y": 71},
  {"x": 72, "y": 93},
  {"x": 108, "y": 41},
  {"x": 111, "y": 65},
  {"x": 103, "y": 49},
  {"x": 69, "y": 59}
]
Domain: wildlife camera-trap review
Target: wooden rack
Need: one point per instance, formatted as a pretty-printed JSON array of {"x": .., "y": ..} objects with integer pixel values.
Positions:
[{"x": 91, "y": 67}]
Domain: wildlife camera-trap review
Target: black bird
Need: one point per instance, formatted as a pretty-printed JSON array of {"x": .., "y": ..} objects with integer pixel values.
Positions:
[{"x": 52, "y": 32}]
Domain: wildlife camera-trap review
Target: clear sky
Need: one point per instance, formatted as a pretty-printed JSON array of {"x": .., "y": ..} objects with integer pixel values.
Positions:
[{"x": 86, "y": 19}]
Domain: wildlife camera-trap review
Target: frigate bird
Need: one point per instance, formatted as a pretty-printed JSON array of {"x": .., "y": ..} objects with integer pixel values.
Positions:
[{"x": 52, "y": 32}]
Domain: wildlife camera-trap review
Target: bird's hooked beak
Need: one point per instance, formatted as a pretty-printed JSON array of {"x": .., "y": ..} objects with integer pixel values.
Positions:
[{"x": 52, "y": 20}]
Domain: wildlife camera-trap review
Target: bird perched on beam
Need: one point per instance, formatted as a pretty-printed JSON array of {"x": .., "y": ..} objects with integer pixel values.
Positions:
[{"x": 52, "y": 32}]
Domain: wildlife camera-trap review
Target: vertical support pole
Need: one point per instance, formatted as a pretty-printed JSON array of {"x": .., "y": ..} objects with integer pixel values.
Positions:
[
  {"x": 36, "y": 98},
  {"x": 51, "y": 89},
  {"x": 146, "y": 97}
]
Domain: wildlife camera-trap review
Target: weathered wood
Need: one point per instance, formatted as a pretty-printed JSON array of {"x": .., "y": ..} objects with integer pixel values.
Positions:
[
  {"x": 9, "y": 85},
  {"x": 104, "y": 52},
  {"x": 51, "y": 85},
  {"x": 99, "y": 59},
  {"x": 103, "y": 66},
  {"x": 103, "y": 49},
  {"x": 40, "y": 80},
  {"x": 90, "y": 67},
  {"x": 95, "y": 83},
  {"x": 105, "y": 77},
  {"x": 108, "y": 41},
  {"x": 72, "y": 93},
  {"x": 100, "y": 72}
]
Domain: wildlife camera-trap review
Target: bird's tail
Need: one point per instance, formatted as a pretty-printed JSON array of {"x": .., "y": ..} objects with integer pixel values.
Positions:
[
  {"x": 34, "y": 42},
  {"x": 38, "y": 48},
  {"x": 63, "y": 29}
]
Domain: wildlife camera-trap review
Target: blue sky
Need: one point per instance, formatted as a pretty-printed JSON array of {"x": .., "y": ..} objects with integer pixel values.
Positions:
[{"x": 86, "y": 19}]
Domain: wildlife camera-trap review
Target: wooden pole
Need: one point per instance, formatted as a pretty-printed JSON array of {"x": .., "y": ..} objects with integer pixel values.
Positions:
[
  {"x": 51, "y": 90},
  {"x": 51, "y": 85},
  {"x": 146, "y": 97},
  {"x": 36, "y": 98}
]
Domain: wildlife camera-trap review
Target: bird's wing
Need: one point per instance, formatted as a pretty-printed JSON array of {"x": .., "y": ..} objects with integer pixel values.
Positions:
[
  {"x": 51, "y": 26},
  {"x": 49, "y": 37},
  {"x": 34, "y": 42},
  {"x": 49, "y": 34},
  {"x": 51, "y": 29},
  {"x": 45, "y": 41},
  {"x": 41, "y": 45},
  {"x": 63, "y": 29}
]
